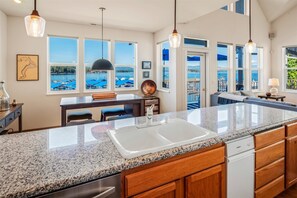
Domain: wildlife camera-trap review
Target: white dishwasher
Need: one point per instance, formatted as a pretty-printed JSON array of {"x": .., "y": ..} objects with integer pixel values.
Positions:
[{"x": 240, "y": 167}]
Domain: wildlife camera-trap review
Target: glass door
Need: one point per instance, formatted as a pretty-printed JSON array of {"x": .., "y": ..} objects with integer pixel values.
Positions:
[{"x": 195, "y": 80}]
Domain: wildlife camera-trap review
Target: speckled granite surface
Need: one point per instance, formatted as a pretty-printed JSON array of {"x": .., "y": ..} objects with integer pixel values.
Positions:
[{"x": 43, "y": 161}]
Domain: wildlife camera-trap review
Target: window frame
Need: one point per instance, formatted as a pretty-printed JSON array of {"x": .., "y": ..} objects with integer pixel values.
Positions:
[
  {"x": 109, "y": 73},
  {"x": 285, "y": 69},
  {"x": 229, "y": 68},
  {"x": 49, "y": 65},
  {"x": 160, "y": 67},
  {"x": 259, "y": 69},
  {"x": 244, "y": 69},
  {"x": 135, "y": 67}
]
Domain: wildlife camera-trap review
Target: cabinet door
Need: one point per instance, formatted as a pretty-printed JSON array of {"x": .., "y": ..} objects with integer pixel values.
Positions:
[
  {"x": 209, "y": 183},
  {"x": 291, "y": 162},
  {"x": 171, "y": 190}
]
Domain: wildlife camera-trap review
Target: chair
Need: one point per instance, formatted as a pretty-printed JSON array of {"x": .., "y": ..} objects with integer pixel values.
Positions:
[
  {"x": 108, "y": 112},
  {"x": 84, "y": 117}
]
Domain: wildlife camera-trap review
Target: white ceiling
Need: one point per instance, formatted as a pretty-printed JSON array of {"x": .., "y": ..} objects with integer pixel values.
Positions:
[
  {"x": 275, "y": 8},
  {"x": 142, "y": 15}
]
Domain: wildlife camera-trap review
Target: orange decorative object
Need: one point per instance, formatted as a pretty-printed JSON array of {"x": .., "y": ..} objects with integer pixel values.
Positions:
[
  {"x": 105, "y": 95},
  {"x": 148, "y": 87}
]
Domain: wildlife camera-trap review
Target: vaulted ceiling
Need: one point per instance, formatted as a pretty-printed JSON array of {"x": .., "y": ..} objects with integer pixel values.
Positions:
[{"x": 143, "y": 15}]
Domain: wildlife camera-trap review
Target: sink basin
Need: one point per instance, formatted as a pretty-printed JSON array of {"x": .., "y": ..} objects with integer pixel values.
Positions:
[{"x": 133, "y": 141}]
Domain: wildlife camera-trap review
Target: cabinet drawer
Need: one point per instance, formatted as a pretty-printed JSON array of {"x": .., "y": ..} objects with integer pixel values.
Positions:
[
  {"x": 270, "y": 137},
  {"x": 9, "y": 119},
  {"x": 167, "y": 190},
  {"x": 270, "y": 154},
  {"x": 150, "y": 102},
  {"x": 270, "y": 172},
  {"x": 17, "y": 113},
  {"x": 2, "y": 125},
  {"x": 150, "y": 178},
  {"x": 291, "y": 130},
  {"x": 272, "y": 189}
]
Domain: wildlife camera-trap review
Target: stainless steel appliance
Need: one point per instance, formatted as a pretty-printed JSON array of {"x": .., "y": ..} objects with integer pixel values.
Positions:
[
  {"x": 240, "y": 168},
  {"x": 108, "y": 187}
]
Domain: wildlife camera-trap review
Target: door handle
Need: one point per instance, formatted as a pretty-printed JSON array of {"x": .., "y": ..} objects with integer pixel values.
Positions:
[{"x": 106, "y": 193}]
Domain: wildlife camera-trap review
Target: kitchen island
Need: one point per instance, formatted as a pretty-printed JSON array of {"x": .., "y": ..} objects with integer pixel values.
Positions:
[{"x": 39, "y": 162}]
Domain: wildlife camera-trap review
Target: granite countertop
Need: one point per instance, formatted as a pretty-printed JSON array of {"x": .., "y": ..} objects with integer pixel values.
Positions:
[{"x": 38, "y": 162}]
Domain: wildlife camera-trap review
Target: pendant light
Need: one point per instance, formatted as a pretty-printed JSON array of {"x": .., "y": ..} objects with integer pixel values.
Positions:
[
  {"x": 102, "y": 64},
  {"x": 250, "y": 45},
  {"x": 174, "y": 38},
  {"x": 35, "y": 25}
]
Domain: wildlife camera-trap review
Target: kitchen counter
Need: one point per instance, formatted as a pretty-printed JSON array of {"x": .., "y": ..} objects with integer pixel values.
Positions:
[{"x": 38, "y": 162}]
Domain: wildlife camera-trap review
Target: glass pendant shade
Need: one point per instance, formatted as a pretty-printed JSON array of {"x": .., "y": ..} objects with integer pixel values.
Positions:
[
  {"x": 174, "y": 39},
  {"x": 35, "y": 25},
  {"x": 250, "y": 46}
]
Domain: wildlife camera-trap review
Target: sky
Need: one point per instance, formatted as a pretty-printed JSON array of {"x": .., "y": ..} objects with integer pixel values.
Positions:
[{"x": 64, "y": 50}]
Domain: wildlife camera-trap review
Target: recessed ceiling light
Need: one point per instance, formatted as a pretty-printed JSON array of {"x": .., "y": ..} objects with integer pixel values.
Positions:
[{"x": 18, "y": 1}]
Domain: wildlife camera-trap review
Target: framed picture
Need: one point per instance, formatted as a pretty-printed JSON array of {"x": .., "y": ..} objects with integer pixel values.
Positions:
[
  {"x": 146, "y": 64},
  {"x": 27, "y": 67},
  {"x": 146, "y": 74}
]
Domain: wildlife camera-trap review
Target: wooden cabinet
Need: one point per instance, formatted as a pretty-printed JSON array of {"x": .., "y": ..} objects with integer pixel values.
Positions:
[
  {"x": 196, "y": 174},
  {"x": 291, "y": 166},
  {"x": 209, "y": 183},
  {"x": 270, "y": 163},
  {"x": 152, "y": 100},
  {"x": 170, "y": 190}
]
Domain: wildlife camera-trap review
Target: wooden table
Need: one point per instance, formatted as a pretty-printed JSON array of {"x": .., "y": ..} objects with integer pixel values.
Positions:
[
  {"x": 275, "y": 97},
  {"x": 131, "y": 102},
  {"x": 7, "y": 117}
]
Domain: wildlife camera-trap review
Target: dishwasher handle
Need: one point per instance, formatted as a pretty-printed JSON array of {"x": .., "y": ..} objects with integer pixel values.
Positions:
[
  {"x": 106, "y": 193},
  {"x": 241, "y": 156}
]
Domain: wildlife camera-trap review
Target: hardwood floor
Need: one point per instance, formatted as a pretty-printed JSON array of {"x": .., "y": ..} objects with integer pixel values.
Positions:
[{"x": 290, "y": 193}]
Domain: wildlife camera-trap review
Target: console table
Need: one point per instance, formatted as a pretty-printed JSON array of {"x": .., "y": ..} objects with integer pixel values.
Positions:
[
  {"x": 133, "y": 103},
  {"x": 276, "y": 97},
  {"x": 7, "y": 117}
]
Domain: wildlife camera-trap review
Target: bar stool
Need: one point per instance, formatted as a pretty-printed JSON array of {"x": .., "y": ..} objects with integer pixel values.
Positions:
[
  {"x": 120, "y": 117},
  {"x": 108, "y": 112},
  {"x": 84, "y": 117}
]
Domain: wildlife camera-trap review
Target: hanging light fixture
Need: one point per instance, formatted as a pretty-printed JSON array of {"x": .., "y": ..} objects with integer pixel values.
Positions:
[
  {"x": 102, "y": 64},
  {"x": 174, "y": 38},
  {"x": 35, "y": 25},
  {"x": 250, "y": 45}
]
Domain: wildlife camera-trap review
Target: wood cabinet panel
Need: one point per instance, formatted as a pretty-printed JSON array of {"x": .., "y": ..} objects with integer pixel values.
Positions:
[
  {"x": 269, "y": 173},
  {"x": 291, "y": 130},
  {"x": 150, "y": 178},
  {"x": 209, "y": 183},
  {"x": 272, "y": 189},
  {"x": 171, "y": 190},
  {"x": 270, "y": 154},
  {"x": 291, "y": 164},
  {"x": 270, "y": 137}
]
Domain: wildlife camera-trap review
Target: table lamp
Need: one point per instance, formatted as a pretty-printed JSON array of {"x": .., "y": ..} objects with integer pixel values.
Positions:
[{"x": 273, "y": 83}]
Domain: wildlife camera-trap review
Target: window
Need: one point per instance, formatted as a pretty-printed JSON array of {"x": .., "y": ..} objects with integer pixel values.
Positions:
[
  {"x": 98, "y": 80},
  {"x": 225, "y": 8},
  {"x": 163, "y": 64},
  {"x": 63, "y": 64},
  {"x": 290, "y": 68},
  {"x": 189, "y": 42},
  {"x": 256, "y": 62},
  {"x": 240, "y": 69},
  {"x": 125, "y": 65},
  {"x": 223, "y": 59},
  {"x": 240, "y": 7}
]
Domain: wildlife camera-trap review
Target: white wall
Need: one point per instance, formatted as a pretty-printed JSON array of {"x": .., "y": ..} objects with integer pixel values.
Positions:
[
  {"x": 41, "y": 110},
  {"x": 285, "y": 35},
  {"x": 3, "y": 45},
  {"x": 219, "y": 26}
]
